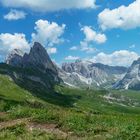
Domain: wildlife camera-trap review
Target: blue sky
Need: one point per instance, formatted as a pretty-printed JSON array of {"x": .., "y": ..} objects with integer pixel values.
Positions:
[{"x": 105, "y": 31}]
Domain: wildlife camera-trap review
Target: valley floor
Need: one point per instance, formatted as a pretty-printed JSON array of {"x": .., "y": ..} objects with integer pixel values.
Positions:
[{"x": 68, "y": 114}]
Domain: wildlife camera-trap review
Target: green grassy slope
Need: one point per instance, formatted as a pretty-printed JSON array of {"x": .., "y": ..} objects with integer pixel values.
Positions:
[{"x": 79, "y": 114}]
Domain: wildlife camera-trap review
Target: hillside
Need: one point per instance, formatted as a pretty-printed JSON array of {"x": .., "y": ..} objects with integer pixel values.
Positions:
[{"x": 65, "y": 113}]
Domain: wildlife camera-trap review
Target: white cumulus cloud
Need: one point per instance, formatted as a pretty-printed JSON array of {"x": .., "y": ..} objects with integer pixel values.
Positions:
[
  {"x": 87, "y": 47},
  {"x": 9, "y": 42},
  {"x": 49, "y": 5},
  {"x": 15, "y": 15},
  {"x": 48, "y": 33},
  {"x": 71, "y": 58},
  {"x": 124, "y": 17},
  {"x": 93, "y": 36},
  {"x": 117, "y": 58},
  {"x": 52, "y": 50},
  {"x": 74, "y": 48}
]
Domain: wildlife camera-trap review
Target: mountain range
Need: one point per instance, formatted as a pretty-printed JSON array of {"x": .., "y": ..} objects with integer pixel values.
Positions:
[
  {"x": 81, "y": 73},
  {"x": 92, "y": 74}
]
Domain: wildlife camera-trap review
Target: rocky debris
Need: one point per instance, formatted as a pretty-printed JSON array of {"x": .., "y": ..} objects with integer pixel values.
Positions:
[
  {"x": 8, "y": 124},
  {"x": 49, "y": 128}
]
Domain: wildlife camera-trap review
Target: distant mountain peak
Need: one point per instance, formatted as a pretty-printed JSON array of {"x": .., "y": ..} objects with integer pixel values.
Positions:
[
  {"x": 132, "y": 78},
  {"x": 84, "y": 72}
]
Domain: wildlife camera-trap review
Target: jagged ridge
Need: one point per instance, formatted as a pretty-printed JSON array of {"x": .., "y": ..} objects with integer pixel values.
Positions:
[
  {"x": 132, "y": 78},
  {"x": 93, "y": 74}
]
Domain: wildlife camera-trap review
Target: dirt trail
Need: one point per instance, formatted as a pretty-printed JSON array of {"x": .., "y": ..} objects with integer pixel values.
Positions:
[
  {"x": 12, "y": 123},
  {"x": 3, "y": 113},
  {"x": 48, "y": 128}
]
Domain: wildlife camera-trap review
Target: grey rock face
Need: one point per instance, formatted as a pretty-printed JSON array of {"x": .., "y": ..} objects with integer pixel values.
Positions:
[
  {"x": 38, "y": 57},
  {"x": 89, "y": 73},
  {"x": 132, "y": 78},
  {"x": 38, "y": 60},
  {"x": 15, "y": 58}
]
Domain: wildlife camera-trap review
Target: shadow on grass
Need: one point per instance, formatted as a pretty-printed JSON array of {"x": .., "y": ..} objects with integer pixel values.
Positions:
[
  {"x": 48, "y": 95},
  {"x": 43, "y": 91}
]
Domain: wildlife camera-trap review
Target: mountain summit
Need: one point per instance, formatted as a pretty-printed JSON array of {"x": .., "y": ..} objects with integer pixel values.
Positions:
[
  {"x": 132, "y": 78},
  {"x": 37, "y": 57},
  {"x": 36, "y": 67}
]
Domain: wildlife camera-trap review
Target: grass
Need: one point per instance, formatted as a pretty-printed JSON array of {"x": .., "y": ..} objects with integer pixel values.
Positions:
[
  {"x": 128, "y": 93},
  {"x": 83, "y": 114}
]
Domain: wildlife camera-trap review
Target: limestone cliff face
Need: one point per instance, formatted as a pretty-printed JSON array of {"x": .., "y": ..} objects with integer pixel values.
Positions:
[
  {"x": 93, "y": 74},
  {"x": 132, "y": 78},
  {"x": 15, "y": 58},
  {"x": 37, "y": 60}
]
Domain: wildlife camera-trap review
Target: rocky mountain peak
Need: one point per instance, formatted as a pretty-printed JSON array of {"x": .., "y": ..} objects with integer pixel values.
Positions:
[
  {"x": 136, "y": 62},
  {"x": 37, "y": 57},
  {"x": 38, "y": 49},
  {"x": 14, "y": 57},
  {"x": 132, "y": 78},
  {"x": 38, "y": 60}
]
